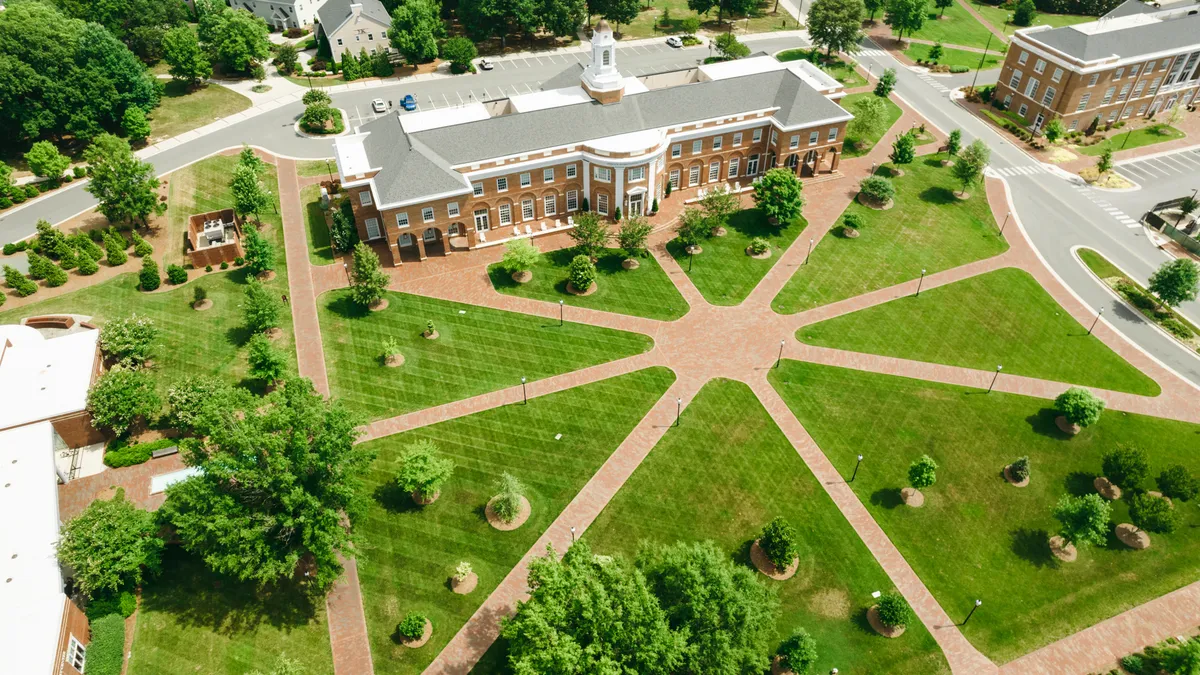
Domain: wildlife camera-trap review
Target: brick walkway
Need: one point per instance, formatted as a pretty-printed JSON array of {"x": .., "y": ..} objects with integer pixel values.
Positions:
[{"x": 74, "y": 496}]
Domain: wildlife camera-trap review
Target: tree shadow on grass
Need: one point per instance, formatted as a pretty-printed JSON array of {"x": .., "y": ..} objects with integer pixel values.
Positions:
[
  {"x": 933, "y": 160},
  {"x": 938, "y": 195},
  {"x": 345, "y": 307},
  {"x": 888, "y": 498},
  {"x": 393, "y": 499},
  {"x": 741, "y": 556},
  {"x": 238, "y": 336},
  {"x": 1080, "y": 483},
  {"x": 860, "y": 621},
  {"x": 1042, "y": 423},
  {"x": 1032, "y": 546}
]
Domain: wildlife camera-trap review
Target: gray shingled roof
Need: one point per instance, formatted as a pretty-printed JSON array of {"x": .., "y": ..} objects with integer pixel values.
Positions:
[
  {"x": 672, "y": 106},
  {"x": 408, "y": 168},
  {"x": 335, "y": 12},
  {"x": 1127, "y": 42},
  {"x": 1129, "y": 8}
]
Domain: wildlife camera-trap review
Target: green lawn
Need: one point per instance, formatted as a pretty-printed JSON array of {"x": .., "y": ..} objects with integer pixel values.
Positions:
[
  {"x": 956, "y": 57},
  {"x": 999, "y": 318},
  {"x": 838, "y": 69},
  {"x": 928, "y": 228},
  {"x": 998, "y": 16},
  {"x": 316, "y": 167},
  {"x": 409, "y": 553},
  {"x": 857, "y": 147},
  {"x": 479, "y": 350},
  {"x": 722, "y": 272},
  {"x": 648, "y": 22},
  {"x": 646, "y": 291},
  {"x": 957, "y": 27},
  {"x": 1136, "y": 294},
  {"x": 977, "y": 536},
  {"x": 182, "y": 110},
  {"x": 320, "y": 250},
  {"x": 722, "y": 475},
  {"x": 192, "y": 620},
  {"x": 1128, "y": 139}
]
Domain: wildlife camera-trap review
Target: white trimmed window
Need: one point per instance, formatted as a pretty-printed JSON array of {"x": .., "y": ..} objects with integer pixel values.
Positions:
[
  {"x": 737, "y": 139},
  {"x": 1108, "y": 94},
  {"x": 339, "y": 42},
  {"x": 602, "y": 204},
  {"x": 794, "y": 142},
  {"x": 526, "y": 209},
  {"x": 1142, "y": 109},
  {"x": 1040, "y": 67},
  {"x": 718, "y": 141},
  {"x": 402, "y": 220},
  {"x": 547, "y": 175},
  {"x": 1022, "y": 110},
  {"x": 697, "y": 146},
  {"x": 714, "y": 171},
  {"x": 813, "y": 137},
  {"x": 477, "y": 189},
  {"x": 1031, "y": 88},
  {"x": 364, "y": 198},
  {"x": 733, "y": 167},
  {"x": 76, "y": 652},
  {"x": 372, "y": 225},
  {"x": 1124, "y": 92},
  {"x": 501, "y": 185},
  {"x": 1023, "y": 58},
  {"x": 1112, "y": 116},
  {"x": 1154, "y": 84},
  {"x": 1049, "y": 95},
  {"x": 1127, "y": 113},
  {"x": 550, "y": 205},
  {"x": 506, "y": 214},
  {"x": 427, "y": 214},
  {"x": 832, "y": 135},
  {"x": 525, "y": 180},
  {"x": 481, "y": 219},
  {"x": 1163, "y": 66},
  {"x": 370, "y": 37},
  {"x": 774, "y": 137},
  {"x": 1141, "y": 86},
  {"x": 1134, "y": 71},
  {"x": 752, "y": 165},
  {"x": 1093, "y": 79},
  {"x": 571, "y": 171},
  {"x": 636, "y": 173},
  {"x": 1015, "y": 80},
  {"x": 1083, "y": 101},
  {"x": 757, "y": 135},
  {"x": 1057, "y": 76},
  {"x": 602, "y": 174},
  {"x": 694, "y": 176},
  {"x": 452, "y": 209},
  {"x": 572, "y": 200},
  {"x": 1074, "y": 125},
  {"x": 673, "y": 177},
  {"x": 677, "y": 150},
  {"x": 1117, "y": 75}
]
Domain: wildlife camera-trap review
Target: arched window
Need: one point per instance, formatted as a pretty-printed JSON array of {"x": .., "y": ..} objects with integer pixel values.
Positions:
[{"x": 605, "y": 58}]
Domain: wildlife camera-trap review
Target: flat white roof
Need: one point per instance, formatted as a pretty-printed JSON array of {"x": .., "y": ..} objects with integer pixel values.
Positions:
[
  {"x": 630, "y": 142},
  {"x": 350, "y": 155},
  {"x": 443, "y": 117},
  {"x": 724, "y": 70},
  {"x": 31, "y": 595},
  {"x": 43, "y": 377},
  {"x": 814, "y": 76},
  {"x": 161, "y": 482},
  {"x": 553, "y": 98}
]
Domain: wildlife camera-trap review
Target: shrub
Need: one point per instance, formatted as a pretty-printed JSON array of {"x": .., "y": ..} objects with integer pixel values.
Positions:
[
  {"x": 412, "y": 627},
  {"x": 509, "y": 492},
  {"x": 87, "y": 265},
  {"x": 85, "y": 245},
  {"x": 1126, "y": 466},
  {"x": 520, "y": 255},
  {"x": 18, "y": 197},
  {"x": 103, "y": 604},
  {"x": 1133, "y": 663},
  {"x": 853, "y": 221},
  {"x": 581, "y": 272},
  {"x": 79, "y": 171},
  {"x": 343, "y": 234},
  {"x": 39, "y": 266},
  {"x": 55, "y": 276},
  {"x": 115, "y": 245},
  {"x": 799, "y": 652},
  {"x": 423, "y": 470},
  {"x": 778, "y": 542},
  {"x": 893, "y": 610},
  {"x": 391, "y": 347},
  {"x": 1083, "y": 520},
  {"x": 19, "y": 282},
  {"x": 141, "y": 247},
  {"x": 120, "y": 396},
  {"x": 1177, "y": 482},
  {"x": 118, "y": 454},
  {"x": 106, "y": 652},
  {"x": 239, "y": 261},
  {"x": 877, "y": 189},
  {"x": 1176, "y": 327},
  {"x": 31, "y": 191},
  {"x": 199, "y": 294},
  {"x": 191, "y": 399},
  {"x": 111, "y": 545},
  {"x": 922, "y": 473},
  {"x": 1153, "y": 514},
  {"x": 129, "y": 340},
  {"x": 208, "y": 268},
  {"x": 463, "y": 570},
  {"x": 149, "y": 278},
  {"x": 225, "y": 265},
  {"x": 759, "y": 246},
  {"x": 1019, "y": 469},
  {"x": 5, "y": 202},
  {"x": 959, "y": 69},
  {"x": 15, "y": 247},
  {"x": 904, "y": 149},
  {"x": 1079, "y": 406},
  {"x": 176, "y": 275}
]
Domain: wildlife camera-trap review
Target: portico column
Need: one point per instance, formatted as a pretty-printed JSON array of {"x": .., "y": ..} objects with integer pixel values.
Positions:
[
  {"x": 587, "y": 182},
  {"x": 471, "y": 239},
  {"x": 620, "y": 196},
  {"x": 833, "y": 161},
  {"x": 394, "y": 247},
  {"x": 653, "y": 168},
  {"x": 446, "y": 242},
  {"x": 421, "y": 245}
]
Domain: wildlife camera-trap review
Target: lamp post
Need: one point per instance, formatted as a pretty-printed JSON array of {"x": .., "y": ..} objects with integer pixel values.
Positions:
[
  {"x": 973, "y": 608},
  {"x": 780, "y": 358},
  {"x": 856, "y": 465},
  {"x": 329, "y": 168},
  {"x": 560, "y": 313},
  {"x": 1099, "y": 313},
  {"x": 573, "y": 539},
  {"x": 920, "y": 282},
  {"x": 1005, "y": 224},
  {"x": 994, "y": 378},
  {"x": 690, "y": 256},
  {"x": 678, "y": 409},
  {"x": 806, "y": 255},
  {"x": 524, "y": 396}
]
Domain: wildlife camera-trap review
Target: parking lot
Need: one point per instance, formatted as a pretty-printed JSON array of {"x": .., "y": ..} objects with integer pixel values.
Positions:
[{"x": 1149, "y": 170}]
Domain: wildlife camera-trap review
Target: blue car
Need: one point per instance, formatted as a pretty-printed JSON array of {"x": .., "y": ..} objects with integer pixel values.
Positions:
[{"x": 408, "y": 102}]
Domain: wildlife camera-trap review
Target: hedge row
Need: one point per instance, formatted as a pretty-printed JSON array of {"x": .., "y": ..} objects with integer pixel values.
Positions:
[
  {"x": 118, "y": 454},
  {"x": 106, "y": 653}
]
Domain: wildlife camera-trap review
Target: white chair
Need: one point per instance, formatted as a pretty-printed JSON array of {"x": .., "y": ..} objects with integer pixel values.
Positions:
[
  {"x": 571, "y": 221},
  {"x": 737, "y": 186},
  {"x": 543, "y": 226},
  {"x": 528, "y": 229},
  {"x": 516, "y": 230},
  {"x": 557, "y": 223},
  {"x": 483, "y": 236}
]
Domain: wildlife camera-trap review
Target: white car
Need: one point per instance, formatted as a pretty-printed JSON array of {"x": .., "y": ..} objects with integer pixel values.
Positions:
[
  {"x": 484, "y": 64},
  {"x": 378, "y": 105},
  {"x": 674, "y": 42}
]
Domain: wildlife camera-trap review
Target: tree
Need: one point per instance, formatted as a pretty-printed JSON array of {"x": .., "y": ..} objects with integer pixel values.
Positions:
[
  {"x": 562, "y": 17},
  {"x": 45, "y": 161},
  {"x": 416, "y": 28},
  {"x": 877, "y": 188},
  {"x": 1153, "y": 514},
  {"x": 140, "y": 24},
  {"x": 18, "y": 282},
  {"x": 587, "y": 614},
  {"x": 886, "y": 82},
  {"x": 718, "y": 204},
  {"x": 198, "y": 399},
  {"x": 1175, "y": 281},
  {"x": 942, "y": 5},
  {"x": 278, "y": 475},
  {"x": 129, "y": 340},
  {"x": 1019, "y": 469},
  {"x": 725, "y": 613},
  {"x": 260, "y": 253},
  {"x": 590, "y": 234},
  {"x": 922, "y": 473},
  {"x": 1126, "y": 466},
  {"x": 267, "y": 362},
  {"x": 798, "y": 653},
  {"x": 1054, "y": 130},
  {"x": 936, "y": 51},
  {"x": 971, "y": 162},
  {"x": 316, "y": 117},
  {"x": 120, "y": 396},
  {"x": 778, "y": 542},
  {"x": 260, "y": 308},
  {"x": 623, "y": 11},
  {"x": 1025, "y": 13},
  {"x": 1083, "y": 520},
  {"x": 730, "y": 47},
  {"x": 1105, "y": 163},
  {"x": 235, "y": 37},
  {"x": 124, "y": 185},
  {"x": 114, "y": 247},
  {"x": 1079, "y": 406},
  {"x": 510, "y": 493},
  {"x": 286, "y": 58},
  {"x": 689, "y": 25},
  {"x": 779, "y": 195},
  {"x": 249, "y": 193},
  {"x": 904, "y": 149},
  {"x": 954, "y": 142},
  {"x": 632, "y": 236},
  {"x": 460, "y": 52},
  {"x": 314, "y": 96},
  {"x": 381, "y": 64},
  {"x": 367, "y": 278},
  {"x": 110, "y": 546},
  {"x": 1177, "y": 482},
  {"x": 149, "y": 278},
  {"x": 135, "y": 125},
  {"x": 836, "y": 25},
  {"x": 873, "y": 6},
  {"x": 423, "y": 470},
  {"x": 350, "y": 70},
  {"x": 869, "y": 114},
  {"x": 520, "y": 255},
  {"x": 905, "y": 16},
  {"x": 893, "y": 610},
  {"x": 581, "y": 273},
  {"x": 186, "y": 61}
]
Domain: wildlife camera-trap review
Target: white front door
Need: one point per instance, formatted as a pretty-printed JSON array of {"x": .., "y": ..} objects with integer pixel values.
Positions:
[
  {"x": 372, "y": 228},
  {"x": 635, "y": 204}
]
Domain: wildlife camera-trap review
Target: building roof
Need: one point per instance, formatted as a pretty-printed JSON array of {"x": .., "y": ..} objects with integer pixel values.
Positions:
[
  {"x": 32, "y": 599},
  {"x": 1127, "y": 35},
  {"x": 334, "y": 13},
  {"x": 44, "y": 377},
  {"x": 1129, "y": 8},
  {"x": 407, "y": 167}
]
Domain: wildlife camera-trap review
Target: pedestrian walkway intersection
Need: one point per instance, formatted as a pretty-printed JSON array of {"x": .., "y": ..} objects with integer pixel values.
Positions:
[
  {"x": 933, "y": 82},
  {"x": 1113, "y": 211}
]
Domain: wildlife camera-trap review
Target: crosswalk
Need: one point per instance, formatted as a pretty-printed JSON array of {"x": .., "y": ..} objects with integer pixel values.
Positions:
[
  {"x": 871, "y": 52},
  {"x": 933, "y": 82},
  {"x": 1020, "y": 170},
  {"x": 1099, "y": 200}
]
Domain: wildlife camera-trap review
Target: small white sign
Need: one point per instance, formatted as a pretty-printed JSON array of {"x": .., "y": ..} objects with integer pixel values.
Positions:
[
  {"x": 558, "y": 437},
  {"x": 876, "y": 594},
  {"x": 462, "y": 311}
]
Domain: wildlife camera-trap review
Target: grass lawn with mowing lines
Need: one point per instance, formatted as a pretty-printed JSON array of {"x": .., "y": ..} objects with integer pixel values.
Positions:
[
  {"x": 722, "y": 475},
  {"x": 649, "y": 21},
  {"x": 955, "y": 57},
  {"x": 409, "y": 552},
  {"x": 978, "y": 536},
  {"x": 645, "y": 291},
  {"x": 857, "y": 147},
  {"x": 1147, "y": 135},
  {"x": 320, "y": 250},
  {"x": 479, "y": 350},
  {"x": 181, "y": 109},
  {"x": 929, "y": 228},
  {"x": 837, "y": 69},
  {"x": 1002, "y": 317},
  {"x": 957, "y": 27},
  {"x": 998, "y": 16},
  {"x": 192, "y": 620},
  {"x": 722, "y": 272},
  {"x": 306, "y": 168}
]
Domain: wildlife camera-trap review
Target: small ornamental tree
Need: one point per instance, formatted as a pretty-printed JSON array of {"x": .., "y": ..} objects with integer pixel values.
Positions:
[
  {"x": 149, "y": 278},
  {"x": 590, "y": 234},
  {"x": 1177, "y": 482},
  {"x": 798, "y": 653},
  {"x": 176, "y": 274},
  {"x": 1054, "y": 130},
  {"x": 869, "y": 115},
  {"x": 196, "y": 399},
  {"x": 632, "y": 236},
  {"x": 520, "y": 255},
  {"x": 582, "y": 273},
  {"x": 719, "y": 204},
  {"x": 778, "y": 542},
  {"x": 730, "y": 47},
  {"x": 1083, "y": 520},
  {"x": 1105, "y": 163},
  {"x": 877, "y": 188},
  {"x": 120, "y": 396},
  {"x": 19, "y": 282},
  {"x": 87, "y": 265},
  {"x": 1175, "y": 281},
  {"x": 1024, "y": 14},
  {"x": 286, "y": 58},
  {"x": 936, "y": 51},
  {"x": 412, "y": 626},
  {"x": 45, "y": 161},
  {"x": 135, "y": 125},
  {"x": 692, "y": 227},
  {"x": 39, "y": 265},
  {"x": 141, "y": 247},
  {"x": 114, "y": 246},
  {"x": 313, "y": 96},
  {"x": 1079, "y": 406},
  {"x": 922, "y": 473},
  {"x": 1153, "y": 514},
  {"x": 971, "y": 162},
  {"x": 954, "y": 142},
  {"x": 779, "y": 195},
  {"x": 886, "y": 83},
  {"x": 267, "y": 362},
  {"x": 423, "y": 470},
  {"x": 1126, "y": 466},
  {"x": 1019, "y": 469},
  {"x": 55, "y": 276},
  {"x": 343, "y": 234},
  {"x": 460, "y": 52},
  {"x": 893, "y": 610},
  {"x": 129, "y": 340},
  {"x": 112, "y": 545},
  {"x": 367, "y": 278},
  {"x": 259, "y": 307},
  {"x": 260, "y": 253},
  {"x": 249, "y": 193},
  {"x": 853, "y": 221},
  {"x": 904, "y": 149},
  {"x": 509, "y": 493}
]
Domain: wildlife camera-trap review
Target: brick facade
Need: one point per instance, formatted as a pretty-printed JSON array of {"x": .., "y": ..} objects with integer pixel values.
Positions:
[{"x": 74, "y": 625}]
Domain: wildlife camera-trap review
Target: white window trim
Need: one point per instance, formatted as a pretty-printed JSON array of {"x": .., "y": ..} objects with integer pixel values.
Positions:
[
  {"x": 532, "y": 210},
  {"x": 737, "y": 140},
  {"x": 717, "y": 142},
  {"x": 694, "y": 175},
  {"x": 75, "y": 647},
  {"x": 833, "y": 134},
  {"x": 505, "y": 214},
  {"x": 365, "y": 199},
  {"x": 697, "y": 146},
  {"x": 571, "y": 171},
  {"x": 734, "y": 162},
  {"x": 477, "y": 189},
  {"x": 640, "y": 172},
  {"x": 572, "y": 200},
  {"x": 402, "y": 220},
  {"x": 549, "y": 205},
  {"x": 502, "y": 189},
  {"x": 452, "y": 210},
  {"x": 602, "y": 204},
  {"x": 427, "y": 215},
  {"x": 676, "y": 151},
  {"x": 548, "y": 171},
  {"x": 525, "y": 179}
]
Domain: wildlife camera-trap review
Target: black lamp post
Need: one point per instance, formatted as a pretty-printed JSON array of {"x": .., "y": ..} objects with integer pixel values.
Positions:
[
  {"x": 573, "y": 535},
  {"x": 524, "y": 396},
  {"x": 690, "y": 256},
  {"x": 1095, "y": 321},
  {"x": 994, "y": 378},
  {"x": 678, "y": 409},
  {"x": 920, "y": 282},
  {"x": 780, "y": 358},
  {"x": 973, "y": 608},
  {"x": 856, "y": 465},
  {"x": 806, "y": 255},
  {"x": 329, "y": 168},
  {"x": 560, "y": 313},
  {"x": 1005, "y": 224}
]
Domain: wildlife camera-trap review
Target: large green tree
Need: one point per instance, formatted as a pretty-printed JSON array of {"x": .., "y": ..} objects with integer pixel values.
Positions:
[
  {"x": 836, "y": 25},
  {"x": 186, "y": 61},
  {"x": 416, "y": 28},
  {"x": 234, "y": 37},
  {"x": 779, "y": 195},
  {"x": 278, "y": 479},
  {"x": 110, "y": 546},
  {"x": 140, "y": 24},
  {"x": 368, "y": 281},
  {"x": 905, "y": 16},
  {"x": 45, "y": 161},
  {"x": 562, "y": 17},
  {"x": 249, "y": 193},
  {"x": 1175, "y": 281},
  {"x": 124, "y": 185}
]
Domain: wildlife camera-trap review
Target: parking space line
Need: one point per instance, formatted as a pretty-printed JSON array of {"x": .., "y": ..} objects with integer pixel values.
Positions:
[
  {"x": 1175, "y": 161},
  {"x": 1153, "y": 170}
]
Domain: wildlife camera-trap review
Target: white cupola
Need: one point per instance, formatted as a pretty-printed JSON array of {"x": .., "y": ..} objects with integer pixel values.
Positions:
[{"x": 601, "y": 78}]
